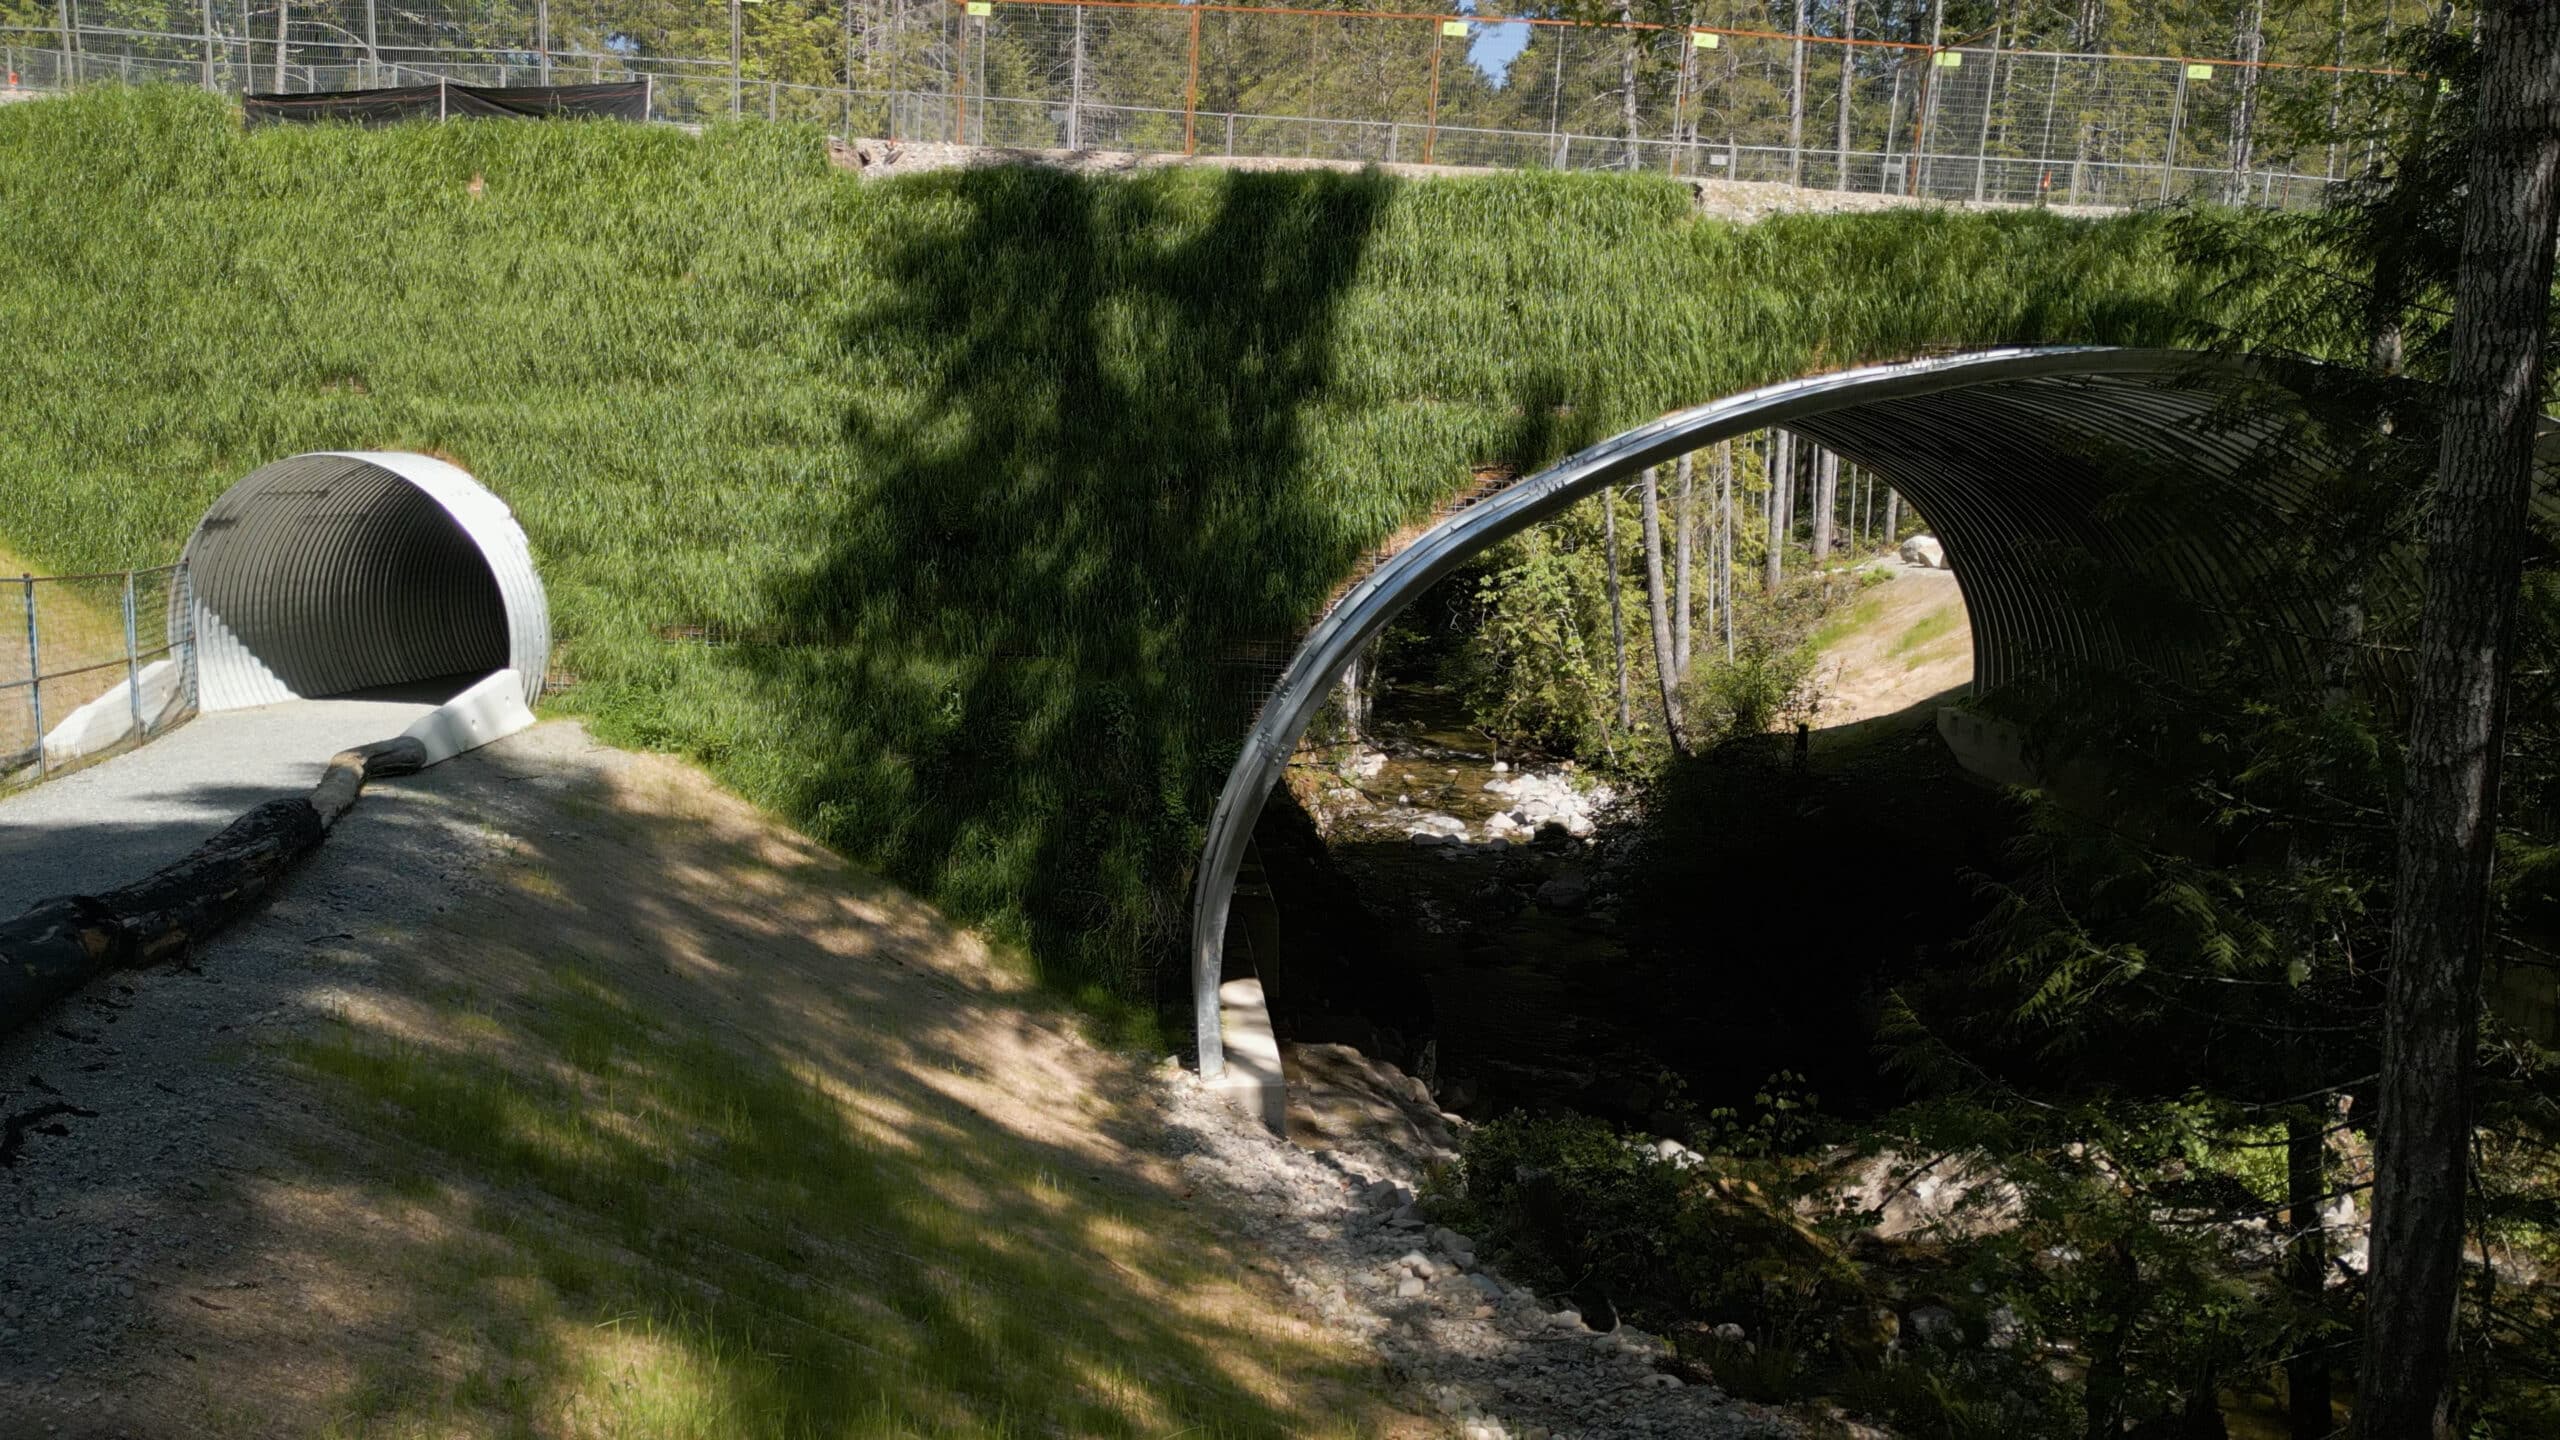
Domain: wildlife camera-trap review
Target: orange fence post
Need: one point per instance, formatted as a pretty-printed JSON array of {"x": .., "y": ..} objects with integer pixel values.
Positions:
[{"x": 1191, "y": 92}]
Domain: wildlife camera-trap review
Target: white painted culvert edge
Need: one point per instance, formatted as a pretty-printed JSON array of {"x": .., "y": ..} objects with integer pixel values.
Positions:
[{"x": 334, "y": 572}]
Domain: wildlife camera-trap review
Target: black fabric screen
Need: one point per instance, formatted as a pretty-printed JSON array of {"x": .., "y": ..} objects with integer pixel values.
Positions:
[{"x": 623, "y": 101}]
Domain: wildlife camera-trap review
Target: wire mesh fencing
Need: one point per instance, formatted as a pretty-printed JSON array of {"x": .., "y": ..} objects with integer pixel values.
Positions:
[
  {"x": 89, "y": 665},
  {"x": 1964, "y": 122}
]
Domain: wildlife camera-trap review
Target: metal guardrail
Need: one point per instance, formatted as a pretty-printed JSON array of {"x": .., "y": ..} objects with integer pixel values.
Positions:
[{"x": 90, "y": 665}]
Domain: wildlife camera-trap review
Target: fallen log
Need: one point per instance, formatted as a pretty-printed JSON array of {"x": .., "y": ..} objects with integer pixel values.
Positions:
[{"x": 58, "y": 945}]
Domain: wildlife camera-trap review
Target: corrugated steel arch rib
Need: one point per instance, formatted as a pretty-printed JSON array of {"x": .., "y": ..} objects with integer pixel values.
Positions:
[
  {"x": 334, "y": 572},
  {"x": 2012, "y": 454}
]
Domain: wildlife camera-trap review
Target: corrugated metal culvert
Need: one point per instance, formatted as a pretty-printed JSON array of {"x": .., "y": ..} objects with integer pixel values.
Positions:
[
  {"x": 331, "y": 573},
  {"x": 2022, "y": 461}
]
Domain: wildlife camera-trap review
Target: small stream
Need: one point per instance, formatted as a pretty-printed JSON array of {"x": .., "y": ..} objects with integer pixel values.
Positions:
[
  {"x": 1493, "y": 880},
  {"x": 1524, "y": 937}
]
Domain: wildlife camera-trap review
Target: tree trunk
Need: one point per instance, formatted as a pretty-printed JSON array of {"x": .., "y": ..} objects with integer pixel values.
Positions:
[
  {"x": 1684, "y": 522},
  {"x": 1795, "y": 105},
  {"x": 2389, "y": 292},
  {"x": 1848, "y": 74},
  {"x": 1826, "y": 499},
  {"x": 1627, "y": 83},
  {"x": 2103, "y": 1392},
  {"x": 1892, "y": 536},
  {"x": 2246, "y": 44},
  {"x": 1781, "y": 487},
  {"x": 1617, "y": 607},
  {"x": 1724, "y": 542},
  {"x": 2306, "y": 1375},
  {"x": 2448, "y": 818},
  {"x": 1660, "y": 603}
]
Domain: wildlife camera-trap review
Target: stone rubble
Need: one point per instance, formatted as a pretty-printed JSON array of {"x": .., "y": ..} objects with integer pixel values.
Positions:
[{"x": 1353, "y": 1244}]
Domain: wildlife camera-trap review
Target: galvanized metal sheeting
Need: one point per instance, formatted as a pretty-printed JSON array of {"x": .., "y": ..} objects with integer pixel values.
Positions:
[
  {"x": 335, "y": 572},
  {"x": 2012, "y": 455}
]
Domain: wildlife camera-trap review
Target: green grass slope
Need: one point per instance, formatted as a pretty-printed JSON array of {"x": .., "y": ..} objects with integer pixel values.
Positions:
[{"x": 999, "y": 466}]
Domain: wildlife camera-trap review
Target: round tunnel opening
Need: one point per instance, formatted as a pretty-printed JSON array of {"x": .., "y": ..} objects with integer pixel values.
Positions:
[{"x": 380, "y": 575}]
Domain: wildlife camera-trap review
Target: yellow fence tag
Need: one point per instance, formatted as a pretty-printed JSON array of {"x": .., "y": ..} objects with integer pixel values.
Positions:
[
  {"x": 1705, "y": 41},
  {"x": 982, "y": 7},
  {"x": 2199, "y": 72},
  {"x": 1949, "y": 60},
  {"x": 1454, "y": 27}
]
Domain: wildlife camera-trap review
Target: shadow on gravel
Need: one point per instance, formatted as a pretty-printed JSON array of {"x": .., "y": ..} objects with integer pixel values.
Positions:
[
  {"x": 672, "y": 1123},
  {"x": 39, "y": 860}
]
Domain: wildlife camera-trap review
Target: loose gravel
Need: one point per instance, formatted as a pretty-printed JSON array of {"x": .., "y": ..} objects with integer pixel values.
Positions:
[{"x": 1490, "y": 1355}]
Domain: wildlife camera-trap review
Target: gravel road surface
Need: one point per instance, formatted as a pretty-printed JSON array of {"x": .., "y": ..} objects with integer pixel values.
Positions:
[{"x": 120, "y": 820}]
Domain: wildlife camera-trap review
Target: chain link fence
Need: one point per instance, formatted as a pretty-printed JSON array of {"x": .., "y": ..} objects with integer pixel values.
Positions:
[
  {"x": 1965, "y": 121},
  {"x": 89, "y": 665}
]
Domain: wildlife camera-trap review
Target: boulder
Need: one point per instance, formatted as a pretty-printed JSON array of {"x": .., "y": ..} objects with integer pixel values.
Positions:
[{"x": 1924, "y": 552}]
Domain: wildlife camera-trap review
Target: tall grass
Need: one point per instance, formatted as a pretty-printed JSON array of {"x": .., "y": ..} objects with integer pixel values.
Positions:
[{"x": 1005, "y": 465}]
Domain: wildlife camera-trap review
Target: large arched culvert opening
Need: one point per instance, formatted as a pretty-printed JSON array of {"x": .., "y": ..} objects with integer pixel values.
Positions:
[
  {"x": 345, "y": 573},
  {"x": 2019, "y": 458}
]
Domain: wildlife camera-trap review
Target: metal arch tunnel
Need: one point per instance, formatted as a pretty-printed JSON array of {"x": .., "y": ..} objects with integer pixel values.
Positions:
[
  {"x": 2011, "y": 454},
  {"x": 342, "y": 572}
]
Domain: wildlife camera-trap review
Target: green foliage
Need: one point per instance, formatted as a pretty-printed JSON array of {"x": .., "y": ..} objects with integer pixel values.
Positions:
[
  {"x": 1538, "y": 659},
  {"x": 1768, "y": 683},
  {"x": 1585, "y": 1210},
  {"x": 993, "y": 467}
]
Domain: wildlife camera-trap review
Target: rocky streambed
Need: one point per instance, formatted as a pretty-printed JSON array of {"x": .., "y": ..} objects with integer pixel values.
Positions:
[{"x": 1493, "y": 883}]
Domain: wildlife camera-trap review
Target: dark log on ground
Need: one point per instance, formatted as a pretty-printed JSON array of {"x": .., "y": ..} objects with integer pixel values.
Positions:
[
  {"x": 171, "y": 908},
  {"x": 58, "y": 945}
]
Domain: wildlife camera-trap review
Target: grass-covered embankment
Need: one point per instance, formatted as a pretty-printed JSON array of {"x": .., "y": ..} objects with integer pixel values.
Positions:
[{"x": 1007, "y": 460}]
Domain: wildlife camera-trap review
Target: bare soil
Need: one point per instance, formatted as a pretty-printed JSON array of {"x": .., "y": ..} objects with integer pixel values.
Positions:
[{"x": 1914, "y": 644}]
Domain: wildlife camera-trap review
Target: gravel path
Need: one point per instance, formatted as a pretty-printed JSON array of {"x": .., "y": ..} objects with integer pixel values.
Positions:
[{"x": 126, "y": 817}]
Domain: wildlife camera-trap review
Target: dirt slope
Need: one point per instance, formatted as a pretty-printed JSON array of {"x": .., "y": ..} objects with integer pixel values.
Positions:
[
  {"x": 1900, "y": 642},
  {"x": 563, "y": 1094}
]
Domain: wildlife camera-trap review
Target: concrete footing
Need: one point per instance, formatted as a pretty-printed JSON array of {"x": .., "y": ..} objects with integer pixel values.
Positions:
[{"x": 1253, "y": 1078}]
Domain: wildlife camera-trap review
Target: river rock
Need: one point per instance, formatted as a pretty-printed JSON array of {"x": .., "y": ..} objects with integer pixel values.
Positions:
[
  {"x": 1564, "y": 892},
  {"x": 1678, "y": 1154}
]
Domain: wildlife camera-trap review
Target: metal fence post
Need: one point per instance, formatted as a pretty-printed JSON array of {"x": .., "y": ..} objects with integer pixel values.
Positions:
[
  {"x": 1990, "y": 92},
  {"x": 1431, "y": 101},
  {"x": 1075, "y": 87},
  {"x": 132, "y": 660},
  {"x": 2177, "y": 112},
  {"x": 208, "y": 44},
  {"x": 35, "y": 671},
  {"x": 182, "y": 600}
]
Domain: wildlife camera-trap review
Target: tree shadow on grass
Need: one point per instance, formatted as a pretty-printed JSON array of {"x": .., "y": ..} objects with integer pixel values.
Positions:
[{"x": 1109, "y": 492}]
